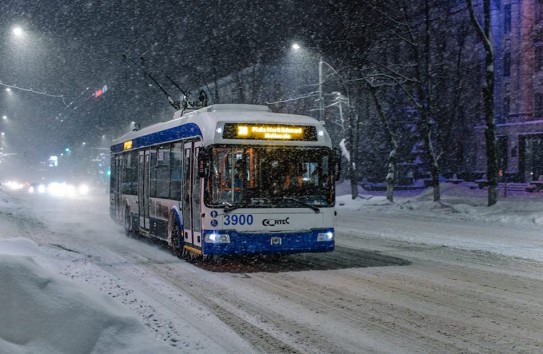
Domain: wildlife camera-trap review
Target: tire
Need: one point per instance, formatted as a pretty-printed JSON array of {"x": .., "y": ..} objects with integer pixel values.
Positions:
[
  {"x": 176, "y": 239},
  {"x": 128, "y": 226}
]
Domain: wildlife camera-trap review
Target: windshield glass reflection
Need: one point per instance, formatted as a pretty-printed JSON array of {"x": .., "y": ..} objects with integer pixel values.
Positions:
[{"x": 270, "y": 177}]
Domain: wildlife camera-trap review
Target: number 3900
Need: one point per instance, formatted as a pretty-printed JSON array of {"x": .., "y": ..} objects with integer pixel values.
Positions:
[{"x": 240, "y": 219}]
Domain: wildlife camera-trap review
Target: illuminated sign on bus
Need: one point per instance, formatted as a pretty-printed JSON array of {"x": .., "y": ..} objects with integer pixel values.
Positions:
[{"x": 269, "y": 132}]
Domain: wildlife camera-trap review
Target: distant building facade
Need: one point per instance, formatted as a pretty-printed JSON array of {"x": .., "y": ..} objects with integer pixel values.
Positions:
[
  {"x": 518, "y": 43},
  {"x": 517, "y": 30}
]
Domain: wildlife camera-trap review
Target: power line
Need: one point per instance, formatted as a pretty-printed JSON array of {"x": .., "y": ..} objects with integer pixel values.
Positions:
[{"x": 35, "y": 92}]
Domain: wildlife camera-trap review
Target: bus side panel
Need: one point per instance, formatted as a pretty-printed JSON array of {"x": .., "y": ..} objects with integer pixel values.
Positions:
[
  {"x": 130, "y": 202},
  {"x": 159, "y": 216}
]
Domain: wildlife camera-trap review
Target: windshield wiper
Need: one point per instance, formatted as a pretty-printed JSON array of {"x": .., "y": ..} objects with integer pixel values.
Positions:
[
  {"x": 231, "y": 207},
  {"x": 312, "y": 207}
]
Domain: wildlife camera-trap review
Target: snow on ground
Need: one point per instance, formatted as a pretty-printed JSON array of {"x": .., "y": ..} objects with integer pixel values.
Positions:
[
  {"x": 458, "y": 202},
  {"x": 512, "y": 227},
  {"x": 43, "y": 312}
]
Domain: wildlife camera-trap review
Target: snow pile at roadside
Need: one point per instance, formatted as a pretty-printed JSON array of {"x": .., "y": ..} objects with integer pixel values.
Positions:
[
  {"x": 457, "y": 202},
  {"x": 44, "y": 313},
  {"x": 6, "y": 200}
]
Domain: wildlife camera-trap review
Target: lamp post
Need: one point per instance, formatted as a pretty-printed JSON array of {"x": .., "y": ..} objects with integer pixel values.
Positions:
[
  {"x": 297, "y": 47},
  {"x": 321, "y": 97}
]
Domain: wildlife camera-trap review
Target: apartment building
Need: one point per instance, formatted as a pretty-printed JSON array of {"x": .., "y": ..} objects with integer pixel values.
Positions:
[{"x": 518, "y": 42}]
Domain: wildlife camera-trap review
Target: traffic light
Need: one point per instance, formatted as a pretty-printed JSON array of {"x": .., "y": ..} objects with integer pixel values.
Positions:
[{"x": 101, "y": 91}]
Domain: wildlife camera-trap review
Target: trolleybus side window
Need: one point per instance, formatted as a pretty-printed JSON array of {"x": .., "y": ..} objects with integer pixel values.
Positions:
[
  {"x": 113, "y": 187},
  {"x": 176, "y": 157},
  {"x": 129, "y": 173},
  {"x": 163, "y": 172},
  {"x": 152, "y": 173},
  {"x": 166, "y": 172}
]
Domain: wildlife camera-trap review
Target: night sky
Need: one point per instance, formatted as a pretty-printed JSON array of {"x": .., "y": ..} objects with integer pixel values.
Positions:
[{"x": 73, "y": 48}]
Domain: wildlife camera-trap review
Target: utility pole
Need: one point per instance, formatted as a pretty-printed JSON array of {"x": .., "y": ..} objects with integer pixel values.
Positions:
[{"x": 321, "y": 97}]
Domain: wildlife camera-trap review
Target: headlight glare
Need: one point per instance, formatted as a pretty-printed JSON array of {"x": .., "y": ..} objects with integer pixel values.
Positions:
[
  {"x": 325, "y": 236},
  {"x": 217, "y": 238}
]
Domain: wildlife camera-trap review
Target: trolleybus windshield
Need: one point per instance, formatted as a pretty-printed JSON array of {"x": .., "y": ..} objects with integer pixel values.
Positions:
[{"x": 265, "y": 177}]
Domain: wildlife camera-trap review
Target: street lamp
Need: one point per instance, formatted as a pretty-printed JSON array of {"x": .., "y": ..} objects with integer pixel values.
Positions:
[
  {"x": 18, "y": 32},
  {"x": 297, "y": 47}
]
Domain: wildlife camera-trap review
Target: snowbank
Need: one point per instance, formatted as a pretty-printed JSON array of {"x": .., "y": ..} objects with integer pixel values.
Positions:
[
  {"x": 43, "y": 313},
  {"x": 457, "y": 202}
]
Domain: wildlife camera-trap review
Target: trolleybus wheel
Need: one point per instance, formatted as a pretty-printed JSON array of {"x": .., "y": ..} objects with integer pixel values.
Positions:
[
  {"x": 128, "y": 228},
  {"x": 176, "y": 241}
]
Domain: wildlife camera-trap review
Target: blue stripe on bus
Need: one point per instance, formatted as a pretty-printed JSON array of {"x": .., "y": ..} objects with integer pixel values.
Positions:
[
  {"x": 250, "y": 243},
  {"x": 179, "y": 132}
]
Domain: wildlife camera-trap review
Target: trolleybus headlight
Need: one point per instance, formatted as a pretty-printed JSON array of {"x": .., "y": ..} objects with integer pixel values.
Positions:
[
  {"x": 325, "y": 236},
  {"x": 217, "y": 238}
]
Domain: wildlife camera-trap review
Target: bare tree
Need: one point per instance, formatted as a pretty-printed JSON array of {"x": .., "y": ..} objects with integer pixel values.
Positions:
[
  {"x": 392, "y": 142},
  {"x": 415, "y": 59},
  {"x": 483, "y": 32}
]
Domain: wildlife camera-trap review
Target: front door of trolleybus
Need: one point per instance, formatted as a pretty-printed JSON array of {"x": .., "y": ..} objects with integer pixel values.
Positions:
[{"x": 192, "y": 222}]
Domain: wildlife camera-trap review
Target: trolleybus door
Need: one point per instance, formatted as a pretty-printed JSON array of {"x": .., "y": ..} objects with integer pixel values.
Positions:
[
  {"x": 143, "y": 189},
  {"x": 196, "y": 198},
  {"x": 116, "y": 186},
  {"x": 192, "y": 226}
]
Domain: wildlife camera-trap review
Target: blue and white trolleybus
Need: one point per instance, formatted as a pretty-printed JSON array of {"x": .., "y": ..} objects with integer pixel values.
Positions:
[{"x": 228, "y": 180}]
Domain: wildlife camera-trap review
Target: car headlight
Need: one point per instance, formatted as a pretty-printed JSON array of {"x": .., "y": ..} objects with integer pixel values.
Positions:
[{"x": 83, "y": 189}]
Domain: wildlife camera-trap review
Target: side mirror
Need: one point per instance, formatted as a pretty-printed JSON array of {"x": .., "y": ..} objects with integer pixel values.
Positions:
[
  {"x": 337, "y": 164},
  {"x": 204, "y": 160}
]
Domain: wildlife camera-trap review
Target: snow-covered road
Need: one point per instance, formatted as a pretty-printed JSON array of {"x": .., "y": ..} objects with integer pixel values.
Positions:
[{"x": 395, "y": 284}]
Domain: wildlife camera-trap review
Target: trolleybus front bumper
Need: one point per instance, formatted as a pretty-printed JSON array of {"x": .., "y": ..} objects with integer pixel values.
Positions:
[{"x": 224, "y": 242}]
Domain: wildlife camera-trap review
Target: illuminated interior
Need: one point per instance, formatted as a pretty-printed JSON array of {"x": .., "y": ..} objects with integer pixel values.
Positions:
[{"x": 259, "y": 176}]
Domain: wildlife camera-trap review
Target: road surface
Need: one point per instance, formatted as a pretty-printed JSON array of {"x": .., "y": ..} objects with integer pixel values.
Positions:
[{"x": 393, "y": 285}]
